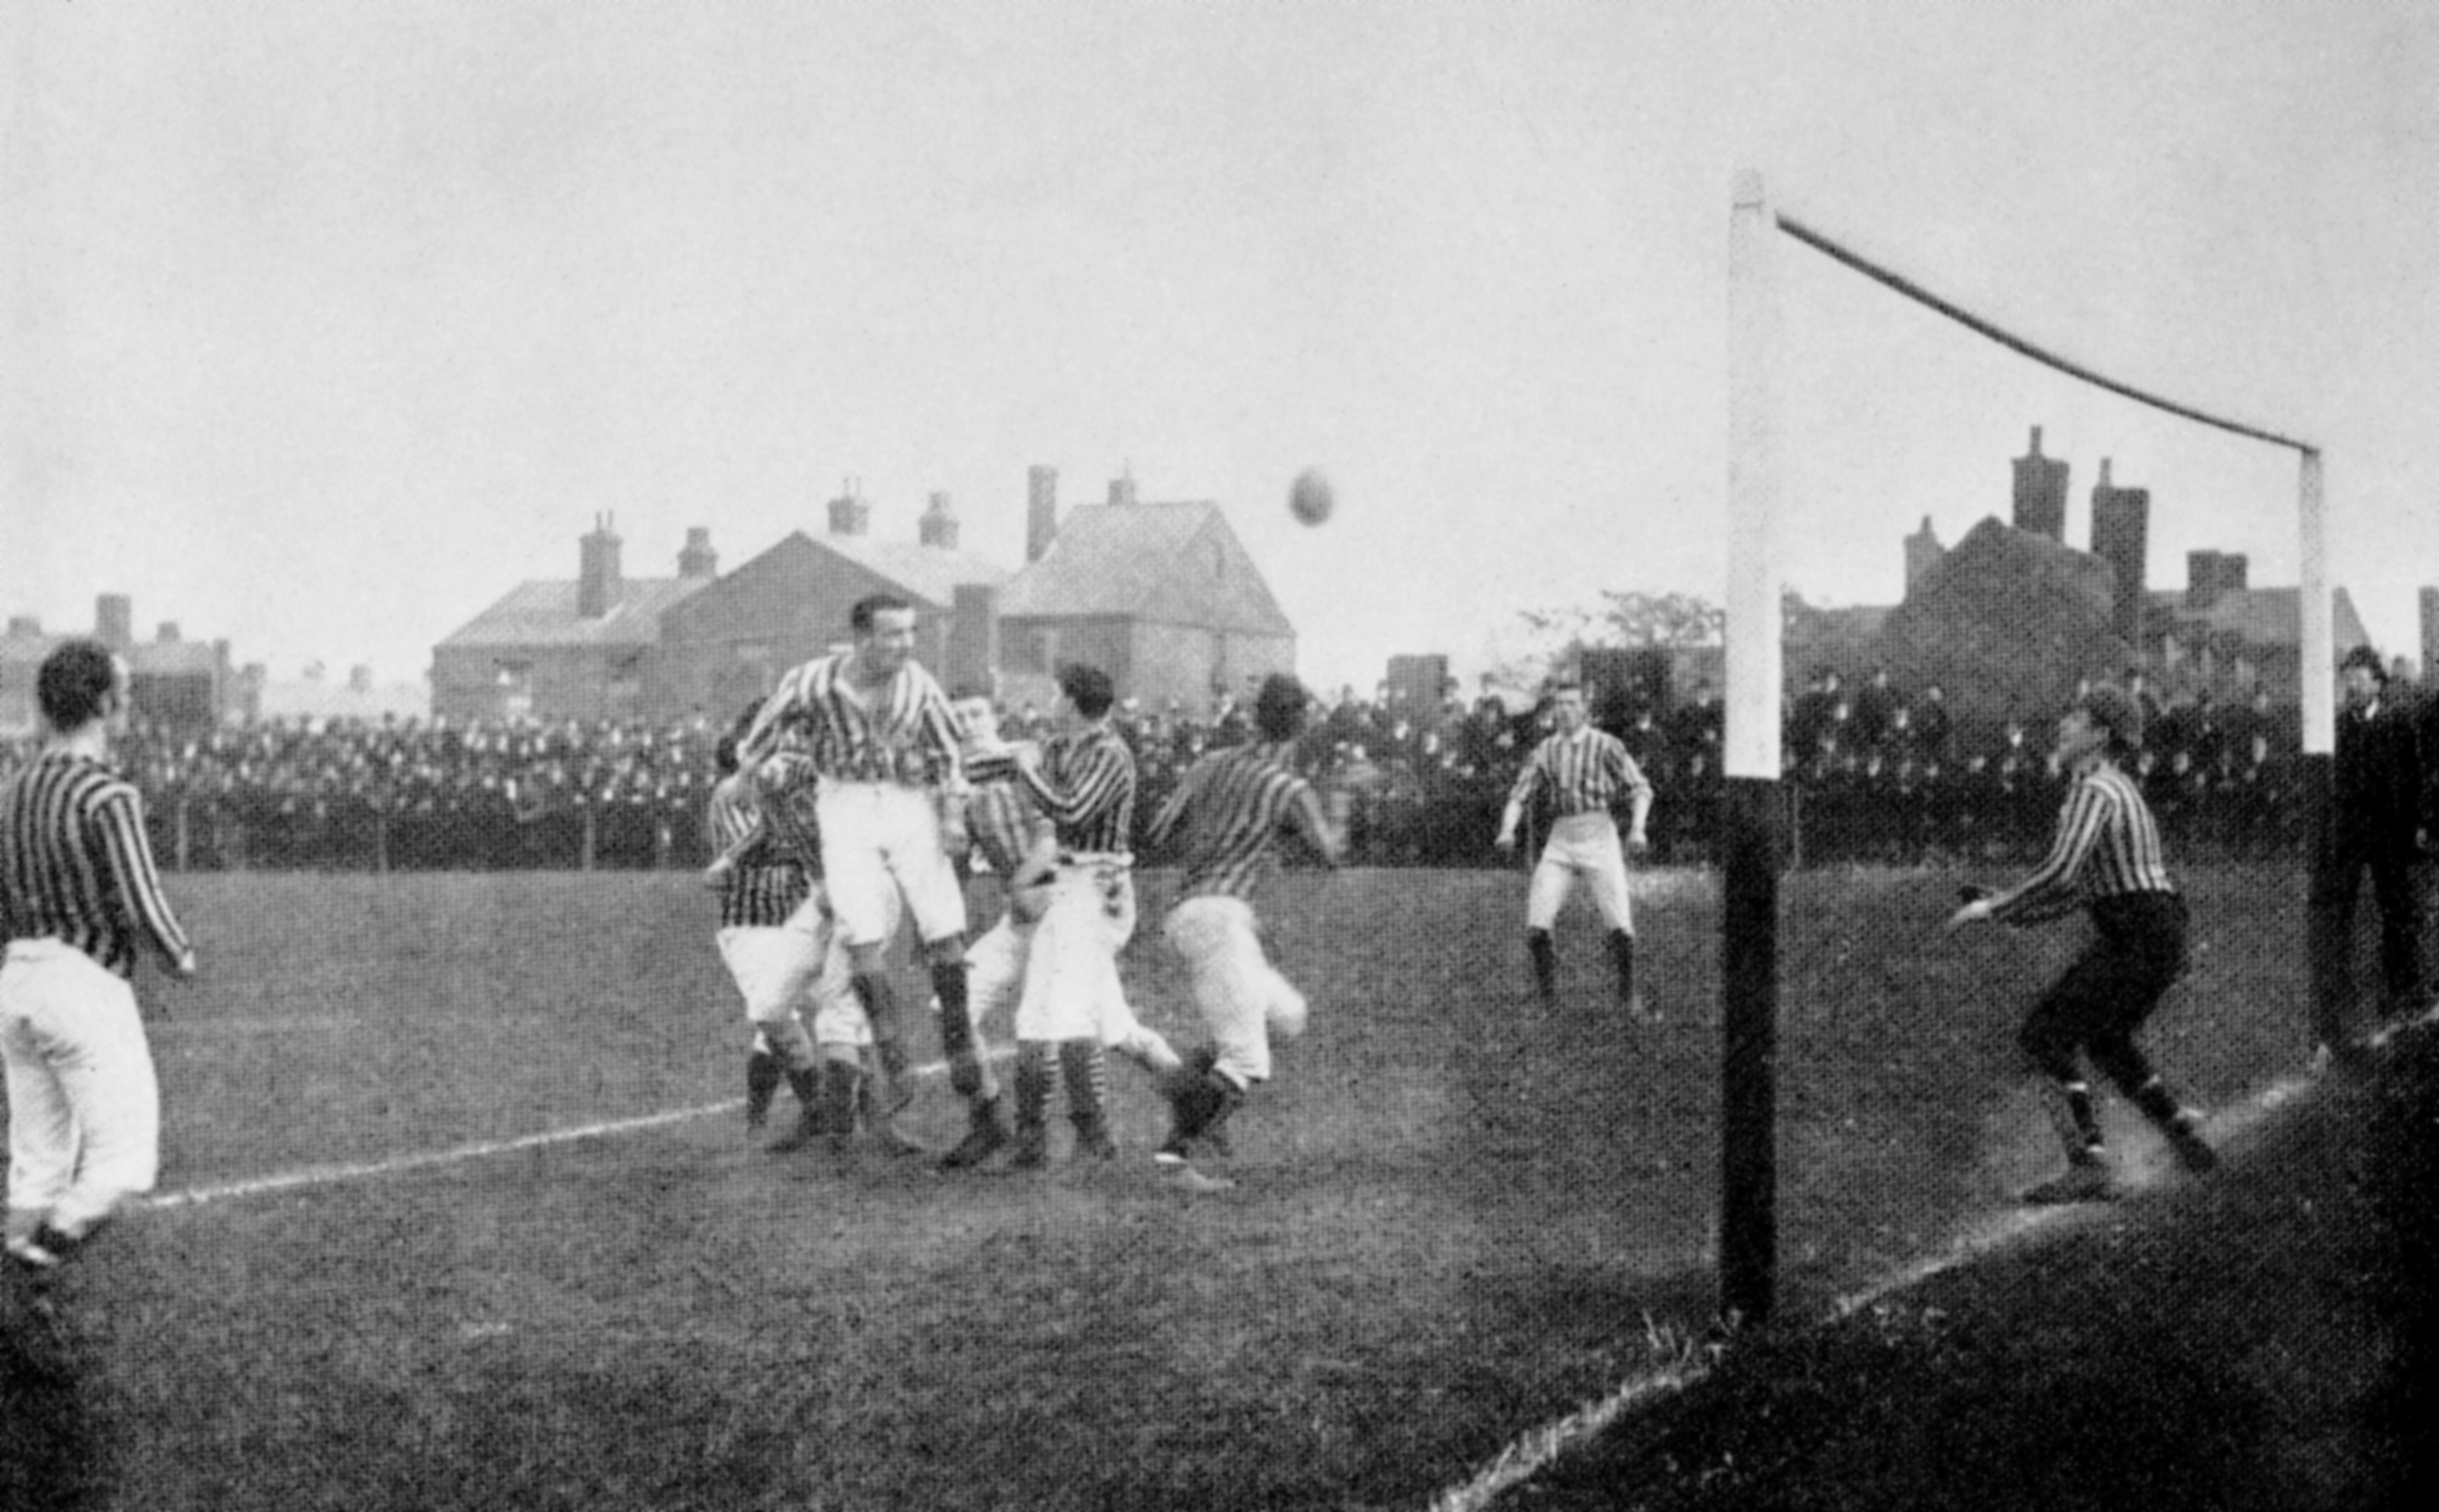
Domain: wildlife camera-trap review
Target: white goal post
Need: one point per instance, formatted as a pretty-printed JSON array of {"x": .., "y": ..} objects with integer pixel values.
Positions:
[{"x": 1751, "y": 817}]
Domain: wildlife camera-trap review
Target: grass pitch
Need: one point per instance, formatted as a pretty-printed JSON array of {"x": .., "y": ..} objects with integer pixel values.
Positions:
[{"x": 1459, "y": 1217}]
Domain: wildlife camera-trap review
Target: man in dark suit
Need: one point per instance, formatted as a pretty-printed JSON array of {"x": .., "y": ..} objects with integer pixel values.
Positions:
[{"x": 2375, "y": 824}]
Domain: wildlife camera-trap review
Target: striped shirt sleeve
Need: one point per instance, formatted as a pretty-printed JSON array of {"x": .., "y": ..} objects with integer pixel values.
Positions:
[
  {"x": 1528, "y": 777},
  {"x": 2108, "y": 846},
  {"x": 1087, "y": 788},
  {"x": 118, "y": 822}
]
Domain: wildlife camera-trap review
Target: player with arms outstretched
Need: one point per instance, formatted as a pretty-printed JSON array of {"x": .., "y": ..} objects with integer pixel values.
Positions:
[{"x": 2106, "y": 859}]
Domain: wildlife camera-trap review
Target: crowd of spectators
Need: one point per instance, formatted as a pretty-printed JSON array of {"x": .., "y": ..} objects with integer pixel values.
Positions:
[{"x": 1878, "y": 773}]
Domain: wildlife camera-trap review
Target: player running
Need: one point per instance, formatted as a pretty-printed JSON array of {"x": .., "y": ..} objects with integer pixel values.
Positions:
[
  {"x": 891, "y": 806},
  {"x": 1225, "y": 816},
  {"x": 1580, "y": 774},
  {"x": 2106, "y": 858}
]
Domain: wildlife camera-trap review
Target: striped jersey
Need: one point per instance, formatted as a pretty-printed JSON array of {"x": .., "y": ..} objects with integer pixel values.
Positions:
[
  {"x": 1584, "y": 772},
  {"x": 1001, "y": 824},
  {"x": 1087, "y": 785},
  {"x": 1232, "y": 804},
  {"x": 900, "y": 732},
  {"x": 764, "y": 888},
  {"x": 2108, "y": 846},
  {"x": 75, "y": 865}
]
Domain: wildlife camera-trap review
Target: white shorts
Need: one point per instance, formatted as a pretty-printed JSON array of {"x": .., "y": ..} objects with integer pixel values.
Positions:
[
  {"x": 782, "y": 970},
  {"x": 1072, "y": 991},
  {"x": 881, "y": 840},
  {"x": 1582, "y": 846},
  {"x": 84, "y": 1107},
  {"x": 995, "y": 969},
  {"x": 1243, "y": 998}
]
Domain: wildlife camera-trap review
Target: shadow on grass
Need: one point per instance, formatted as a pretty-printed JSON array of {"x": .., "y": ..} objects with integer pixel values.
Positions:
[
  {"x": 50, "y": 1434},
  {"x": 2257, "y": 1341}
]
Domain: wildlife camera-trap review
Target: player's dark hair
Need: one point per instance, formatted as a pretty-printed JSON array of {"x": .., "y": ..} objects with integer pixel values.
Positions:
[
  {"x": 969, "y": 690},
  {"x": 871, "y": 606},
  {"x": 1089, "y": 686},
  {"x": 1278, "y": 709},
  {"x": 1561, "y": 685},
  {"x": 724, "y": 756},
  {"x": 73, "y": 681}
]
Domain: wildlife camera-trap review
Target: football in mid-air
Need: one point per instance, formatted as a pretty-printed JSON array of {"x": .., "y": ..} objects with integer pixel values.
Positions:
[{"x": 1309, "y": 498}]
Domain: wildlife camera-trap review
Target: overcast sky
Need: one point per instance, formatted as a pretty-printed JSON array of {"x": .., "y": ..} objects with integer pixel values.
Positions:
[{"x": 327, "y": 324}]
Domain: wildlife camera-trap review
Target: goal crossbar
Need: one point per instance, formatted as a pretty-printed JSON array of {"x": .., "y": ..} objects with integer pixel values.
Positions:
[{"x": 1831, "y": 248}]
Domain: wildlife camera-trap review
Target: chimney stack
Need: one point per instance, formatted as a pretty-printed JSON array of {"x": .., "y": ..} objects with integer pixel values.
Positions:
[
  {"x": 167, "y": 634},
  {"x": 850, "y": 514},
  {"x": 1922, "y": 553},
  {"x": 1040, "y": 511},
  {"x": 2211, "y": 574},
  {"x": 698, "y": 559},
  {"x": 2040, "y": 492},
  {"x": 27, "y": 625},
  {"x": 1122, "y": 489},
  {"x": 2121, "y": 536},
  {"x": 598, "y": 588},
  {"x": 940, "y": 523},
  {"x": 114, "y": 621}
]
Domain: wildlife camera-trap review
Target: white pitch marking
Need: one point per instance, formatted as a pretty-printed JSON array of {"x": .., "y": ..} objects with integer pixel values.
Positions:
[
  {"x": 326, "y": 1175},
  {"x": 1528, "y": 1454}
]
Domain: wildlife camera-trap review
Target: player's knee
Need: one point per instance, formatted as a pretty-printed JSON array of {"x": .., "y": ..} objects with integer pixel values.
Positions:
[
  {"x": 1288, "y": 1015},
  {"x": 791, "y": 1043}
]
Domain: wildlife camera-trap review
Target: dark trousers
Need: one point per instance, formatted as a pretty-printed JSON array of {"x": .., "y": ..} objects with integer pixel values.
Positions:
[
  {"x": 2337, "y": 883},
  {"x": 2137, "y": 952}
]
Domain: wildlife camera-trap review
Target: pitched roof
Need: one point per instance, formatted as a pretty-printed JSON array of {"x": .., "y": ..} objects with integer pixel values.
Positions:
[
  {"x": 2265, "y": 617},
  {"x": 933, "y": 574},
  {"x": 543, "y": 613},
  {"x": 1173, "y": 563}
]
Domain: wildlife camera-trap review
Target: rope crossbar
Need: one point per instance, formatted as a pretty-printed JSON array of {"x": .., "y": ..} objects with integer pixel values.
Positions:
[{"x": 2014, "y": 343}]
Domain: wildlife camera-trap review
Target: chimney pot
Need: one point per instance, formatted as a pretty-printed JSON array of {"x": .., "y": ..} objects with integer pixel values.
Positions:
[
  {"x": 1040, "y": 511},
  {"x": 598, "y": 584}
]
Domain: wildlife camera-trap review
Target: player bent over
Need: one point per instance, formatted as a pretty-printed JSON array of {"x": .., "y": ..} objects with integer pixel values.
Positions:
[
  {"x": 2105, "y": 856},
  {"x": 1075, "y": 1006},
  {"x": 891, "y": 806},
  {"x": 1579, "y": 773},
  {"x": 1226, "y": 814},
  {"x": 776, "y": 941}
]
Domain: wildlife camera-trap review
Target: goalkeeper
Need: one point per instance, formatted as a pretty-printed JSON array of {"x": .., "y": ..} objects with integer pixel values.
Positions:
[{"x": 2106, "y": 857}]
